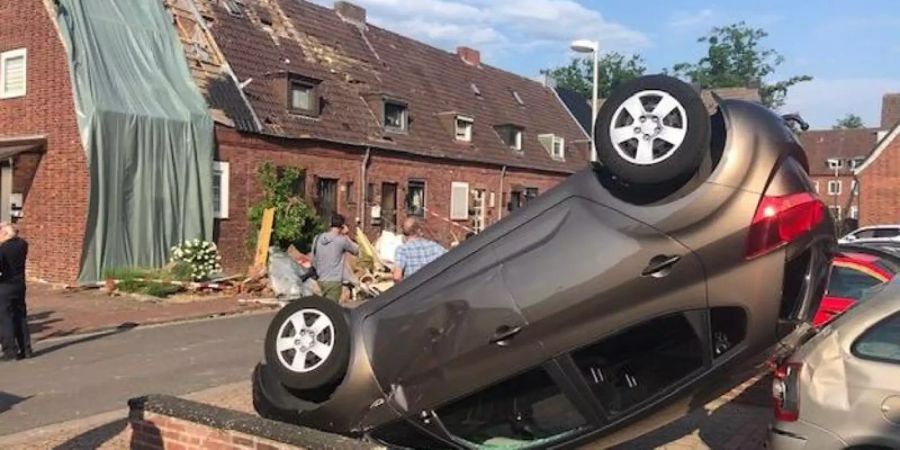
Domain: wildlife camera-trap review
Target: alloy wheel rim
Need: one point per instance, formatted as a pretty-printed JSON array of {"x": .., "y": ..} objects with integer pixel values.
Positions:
[
  {"x": 305, "y": 340},
  {"x": 648, "y": 127}
]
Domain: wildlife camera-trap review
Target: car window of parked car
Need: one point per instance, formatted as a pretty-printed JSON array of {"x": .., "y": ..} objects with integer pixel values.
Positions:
[
  {"x": 864, "y": 234},
  {"x": 527, "y": 411},
  {"x": 847, "y": 282},
  {"x": 641, "y": 363},
  {"x": 881, "y": 342},
  {"x": 887, "y": 232}
]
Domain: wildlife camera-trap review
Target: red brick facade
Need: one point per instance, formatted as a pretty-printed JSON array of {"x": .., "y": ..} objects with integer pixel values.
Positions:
[
  {"x": 880, "y": 183},
  {"x": 55, "y": 207},
  {"x": 245, "y": 153},
  {"x": 837, "y": 202}
]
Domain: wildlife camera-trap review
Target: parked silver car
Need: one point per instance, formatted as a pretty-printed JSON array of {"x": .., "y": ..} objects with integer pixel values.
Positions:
[
  {"x": 877, "y": 233},
  {"x": 841, "y": 389}
]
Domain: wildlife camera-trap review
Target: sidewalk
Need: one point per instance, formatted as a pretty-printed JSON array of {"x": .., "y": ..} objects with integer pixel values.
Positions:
[{"x": 55, "y": 312}]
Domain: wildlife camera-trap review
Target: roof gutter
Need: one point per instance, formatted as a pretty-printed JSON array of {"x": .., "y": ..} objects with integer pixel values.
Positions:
[{"x": 363, "y": 187}]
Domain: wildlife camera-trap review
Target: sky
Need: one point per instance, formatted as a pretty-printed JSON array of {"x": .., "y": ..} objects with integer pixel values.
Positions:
[{"x": 851, "y": 48}]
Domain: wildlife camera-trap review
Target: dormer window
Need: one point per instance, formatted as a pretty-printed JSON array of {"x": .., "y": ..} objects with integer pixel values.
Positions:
[
  {"x": 463, "y": 127},
  {"x": 396, "y": 116},
  {"x": 475, "y": 89},
  {"x": 235, "y": 7},
  {"x": 835, "y": 163},
  {"x": 302, "y": 96},
  {"x": 511, "y": 135},
  {"x": 555, "y": 145}
]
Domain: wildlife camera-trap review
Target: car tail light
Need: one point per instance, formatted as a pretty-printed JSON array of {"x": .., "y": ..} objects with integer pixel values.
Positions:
[
  {"x": 780, "y": 220},
  {"x": 786, "y": 392}
]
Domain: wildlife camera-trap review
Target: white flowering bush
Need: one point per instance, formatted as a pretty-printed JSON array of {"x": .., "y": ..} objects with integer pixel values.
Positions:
[{"x": 197, "y": 259}]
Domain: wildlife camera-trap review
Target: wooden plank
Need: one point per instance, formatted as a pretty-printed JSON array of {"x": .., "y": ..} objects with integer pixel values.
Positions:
[{"x": 265, "y": 236}]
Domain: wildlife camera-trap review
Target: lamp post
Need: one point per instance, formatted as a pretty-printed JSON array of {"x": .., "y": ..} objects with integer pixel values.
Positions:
[{"x": 587, "y": 46}]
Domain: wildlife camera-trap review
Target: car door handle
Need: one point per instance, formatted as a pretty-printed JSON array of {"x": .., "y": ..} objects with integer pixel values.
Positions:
[
  {"x": 659, "y": 266},
  {"x": 503, "y": 334}
]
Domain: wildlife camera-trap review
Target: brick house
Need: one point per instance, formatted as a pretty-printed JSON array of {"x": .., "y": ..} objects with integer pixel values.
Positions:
[
  {"x": 384, "y": 126},
  {"x": 833, "y": 155},
  {"x": 879, "y": 174}
]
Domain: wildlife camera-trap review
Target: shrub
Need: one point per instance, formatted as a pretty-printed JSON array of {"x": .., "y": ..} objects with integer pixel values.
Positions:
[
  {"x": 296, "y": 222},
  {"x": 201, "y": 257},
  {"x": 151, "y": 288}
]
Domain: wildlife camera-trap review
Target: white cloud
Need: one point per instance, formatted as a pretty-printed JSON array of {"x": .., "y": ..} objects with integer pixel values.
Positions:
[
  {"x": 822, "y": 101},
  {"x": 495, "y": 26},
  {"x": 684, "y": 21}
]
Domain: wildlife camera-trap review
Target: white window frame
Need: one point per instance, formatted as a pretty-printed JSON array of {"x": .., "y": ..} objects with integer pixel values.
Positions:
[
  {"x": 467, "y": 131},
  {"x": 4, "y": 57},
  {"x": 831, "y": 184},
  {"x": 836, "y": 212},
  {"x": 562, "y": 147},
  {"x": 854, "y": 212},
  {"x": 404, "y": 116},
  {"x": 459, "y": 213},
  {"x": 224, "y": 169},
  {"x": 835, "y": 163},
  {"x": 817, "y": 187}
]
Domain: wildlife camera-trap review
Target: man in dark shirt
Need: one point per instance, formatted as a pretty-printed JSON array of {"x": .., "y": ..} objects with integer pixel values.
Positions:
[{"x": 13, "y": 253}]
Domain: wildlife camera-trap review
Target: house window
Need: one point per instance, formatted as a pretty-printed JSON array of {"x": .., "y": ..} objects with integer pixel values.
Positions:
[
  {"x": 220, "y": 189},
  {"x": 235, "y": 7},
  {"x": 857, "y": 162},
  {"x": 835, "y": 212},
  {"x": 834, "y": 187},
  {"x": 518, "y": 98},
  {"x": 459, "y": 201},
  {"x": 555, "y": 145},
  {"x": 464, "y": 128},
  {"x": 854, "y": 212},
  {"x": 348, "y": 187},
  {"x": 396, "y": 116},
  {"x": 370, "y": 193},
  {"x": 13, "y": 73},
  {"x": 326, "y": 198},
  {"x": 817, "y": 187},
  {"x": 530, "y": 194},
  {"x": 835, "y": 163},
  {"x": 302, "y": 98},
  {"x": 415, "y": 198},
  {"x": 511, "y": 136}
]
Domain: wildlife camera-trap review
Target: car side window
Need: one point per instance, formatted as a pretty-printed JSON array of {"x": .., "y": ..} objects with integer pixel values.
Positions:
[
  {"x": 886, "y": 232},
  {"x": 641, "y": 363},
  {"x": 865, "y": 234},
  {"x": 881, "y": 342},
  {"x": 528, "y": 411},
  {"x": 847, "y": 282}
]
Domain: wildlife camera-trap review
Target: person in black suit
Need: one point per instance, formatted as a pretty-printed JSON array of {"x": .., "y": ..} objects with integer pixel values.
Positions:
[{"x": 13, "y": 253}]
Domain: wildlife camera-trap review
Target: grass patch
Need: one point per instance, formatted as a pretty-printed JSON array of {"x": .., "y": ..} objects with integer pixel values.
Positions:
[{"x": 151, "y": 288}]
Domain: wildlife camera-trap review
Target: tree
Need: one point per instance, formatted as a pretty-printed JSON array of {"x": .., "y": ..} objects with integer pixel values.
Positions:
[
  {"x": 615, "y": 69},
  {"x": 296, "y": 222},
  {"x": 849, "y": 121},
  {"x": 735, "y": 58}
]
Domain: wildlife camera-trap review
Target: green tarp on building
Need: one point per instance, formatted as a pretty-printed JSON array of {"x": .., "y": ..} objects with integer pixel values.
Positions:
[{"x": 145, "y": 128}]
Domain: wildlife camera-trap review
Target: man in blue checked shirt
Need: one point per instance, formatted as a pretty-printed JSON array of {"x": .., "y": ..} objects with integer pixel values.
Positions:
[{"x": 416, "y": 252}]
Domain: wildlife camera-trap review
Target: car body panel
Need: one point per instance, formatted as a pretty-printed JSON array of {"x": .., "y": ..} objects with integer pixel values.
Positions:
[{"x": 841, "y": 392}]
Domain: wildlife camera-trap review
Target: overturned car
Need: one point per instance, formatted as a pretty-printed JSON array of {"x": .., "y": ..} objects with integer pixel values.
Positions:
[{"x": 696, "y": 241}]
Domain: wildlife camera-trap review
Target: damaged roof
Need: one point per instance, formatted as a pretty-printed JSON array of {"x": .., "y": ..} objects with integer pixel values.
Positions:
[
  {"x": 355, "y": 66},
  {"x": 846, "y": 144}
]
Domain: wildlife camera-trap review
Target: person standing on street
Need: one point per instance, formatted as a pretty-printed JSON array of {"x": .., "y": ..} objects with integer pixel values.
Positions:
[
  {"x": 13, "y": 254},
  {"x": 416, "y": 252},
  {"x": 328, "y": 251}
]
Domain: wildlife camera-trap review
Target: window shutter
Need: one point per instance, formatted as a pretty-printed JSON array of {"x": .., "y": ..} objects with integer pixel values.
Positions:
[
  {"x": 13, "y": 75},
  {"x": 459, "y": 201}
]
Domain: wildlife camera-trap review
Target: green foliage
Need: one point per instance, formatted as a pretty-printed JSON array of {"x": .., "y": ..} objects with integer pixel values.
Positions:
[
  {"x": 735, "y": 58},
  {"x": 849, "y": 121},
  {"x": 134, "y": 273},
  {"x": 614, "y": 68},
  {"x": 296, "y": 222},
  {"x": 151, "y": 288}
]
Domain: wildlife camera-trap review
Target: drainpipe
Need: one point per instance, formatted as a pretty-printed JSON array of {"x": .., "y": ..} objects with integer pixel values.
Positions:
[
  {"x": 363, "y": 187},
  {"x": 500, "y": 194}
]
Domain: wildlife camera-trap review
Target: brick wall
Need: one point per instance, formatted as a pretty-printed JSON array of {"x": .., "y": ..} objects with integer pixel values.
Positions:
[
  {"x": 880, "y": 188},
  {"x": 246, "y": 153},
  {"x": 158, "y": 432},
  {"x": 56, "y": 206}
]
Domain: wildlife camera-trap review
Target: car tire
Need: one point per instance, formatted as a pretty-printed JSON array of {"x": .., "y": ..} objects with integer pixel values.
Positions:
[
  {"x": 652, "y": 130},
  {"x": 308, "y": 343}
]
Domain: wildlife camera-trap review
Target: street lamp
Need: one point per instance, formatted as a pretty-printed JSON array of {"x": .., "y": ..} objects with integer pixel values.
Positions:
[{"x": 587, "y": 46}]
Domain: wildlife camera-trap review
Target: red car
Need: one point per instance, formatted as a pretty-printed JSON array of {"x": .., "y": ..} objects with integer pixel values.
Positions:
[{"x": 854, "y": 270}]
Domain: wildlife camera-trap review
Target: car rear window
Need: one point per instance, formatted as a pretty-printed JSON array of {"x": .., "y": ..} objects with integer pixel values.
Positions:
[
  {"x": 881, "y": 342},
  {"x": 887, "y": 232},
  {"x": 847, "y": 282}
]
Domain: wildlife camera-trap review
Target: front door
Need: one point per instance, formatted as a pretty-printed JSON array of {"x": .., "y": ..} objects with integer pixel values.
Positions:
[
  {"x": 389, "y": 206},
  {"x": 580, "y": 271},
  {"x": 326, "y": 195}
]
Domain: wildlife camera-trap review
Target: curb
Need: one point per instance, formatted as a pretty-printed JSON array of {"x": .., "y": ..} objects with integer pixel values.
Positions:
[{"x": 151, "y": 323}]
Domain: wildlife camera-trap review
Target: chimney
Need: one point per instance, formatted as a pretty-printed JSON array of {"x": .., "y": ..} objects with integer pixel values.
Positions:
[
  {"x": 469, "y": 56},
  {"x": 348, "y": 12},
  {"x": 890, "y": 110}
]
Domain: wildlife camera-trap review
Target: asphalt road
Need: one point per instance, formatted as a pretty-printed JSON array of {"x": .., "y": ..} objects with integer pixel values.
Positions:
[{"x": 87, "y": 375}]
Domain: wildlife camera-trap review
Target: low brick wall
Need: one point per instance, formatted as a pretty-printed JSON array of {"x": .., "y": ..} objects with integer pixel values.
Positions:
[{"x": 161, "y": 422}]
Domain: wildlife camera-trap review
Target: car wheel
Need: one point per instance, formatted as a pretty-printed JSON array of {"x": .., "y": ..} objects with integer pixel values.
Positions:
[
  {"x": 308, "y": 343},
  {"x": 652, "y": 130}
]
